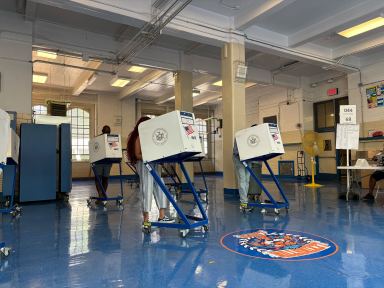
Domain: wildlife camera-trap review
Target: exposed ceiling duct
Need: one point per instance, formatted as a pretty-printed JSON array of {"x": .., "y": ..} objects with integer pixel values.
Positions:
[{"x": 163, "y": 11}]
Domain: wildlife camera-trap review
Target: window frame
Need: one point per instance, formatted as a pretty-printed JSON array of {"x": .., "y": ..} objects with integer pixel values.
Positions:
[
  {"x": 83, "y": 155},
  {"x": 39, "y": 110},
  {"x": 336, "y": 111},
  {"x": 199, "y": 124}
]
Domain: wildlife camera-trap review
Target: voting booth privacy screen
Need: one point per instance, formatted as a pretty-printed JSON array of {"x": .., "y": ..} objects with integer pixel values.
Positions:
[
  {"x": 13, "y": 146},
  {"x": 4, "y": 134},
  {"x": 262, "y": 141},
  {"x": 105, "y": 147},
  {"x": 172, "y": 136}
]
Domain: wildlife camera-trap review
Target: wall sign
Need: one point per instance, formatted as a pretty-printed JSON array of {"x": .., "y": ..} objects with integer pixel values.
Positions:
[
  {"x": 375, "y": 96},
  {"x": 347, "y": 114},
  {"x": 333, "y": 91}
]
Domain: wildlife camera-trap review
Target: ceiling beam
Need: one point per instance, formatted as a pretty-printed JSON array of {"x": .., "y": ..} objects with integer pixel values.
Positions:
[
  {"x": 249, "y": 16},
  {"x": 335, "y": 21},
  {"x": 144, "y": 81},
  {"x": 365, "y": 44},
  {"x": 81, "y": 82},
  {"x": 197, "y": 81}
]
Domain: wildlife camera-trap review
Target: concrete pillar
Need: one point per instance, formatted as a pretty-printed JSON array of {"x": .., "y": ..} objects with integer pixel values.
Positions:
[
  {"x": 184, "y": 102},
  {"x": 234, "y": 117}
]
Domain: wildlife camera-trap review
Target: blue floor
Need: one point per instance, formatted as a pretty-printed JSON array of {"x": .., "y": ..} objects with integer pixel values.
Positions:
[{"x": 71, "y": 245}]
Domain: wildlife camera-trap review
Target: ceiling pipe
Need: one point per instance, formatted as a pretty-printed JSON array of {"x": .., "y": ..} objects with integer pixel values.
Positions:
[{"x": 74, "y": 67}]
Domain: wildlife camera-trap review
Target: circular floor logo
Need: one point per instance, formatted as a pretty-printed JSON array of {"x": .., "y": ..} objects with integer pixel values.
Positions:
[
  {"x": 160, "y": 136},
  {"x": 275, "y": 244}
]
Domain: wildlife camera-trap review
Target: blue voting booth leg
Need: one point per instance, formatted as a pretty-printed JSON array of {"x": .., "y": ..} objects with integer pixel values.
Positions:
[
  {"x": 119, "y": 199},
  {"x": 188, "y": 221},
  {"x": 273, "y": 203},
  {"x": 199, "y": 191},
  {"x": 9, "y": 182}
]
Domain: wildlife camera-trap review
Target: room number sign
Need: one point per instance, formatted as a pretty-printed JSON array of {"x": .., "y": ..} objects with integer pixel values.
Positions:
[{"x": 347, "y": 114}]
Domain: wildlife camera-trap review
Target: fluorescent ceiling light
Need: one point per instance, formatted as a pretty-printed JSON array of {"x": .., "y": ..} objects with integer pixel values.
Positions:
[
  {"x": 39, "y": 78},
  {"x": 92, "y": 79},
  {"x": 195, "y": 92},
  {"x": 119, "y": 81},
  {"x": 218, "y": 83},
  {"x": 166, "y": 100},
  {"x": 249, "y": 84},
  {"x": 46, "y": 54},
  {"x": 137, "y": 69},
  {"x": 363, "y": 27}
]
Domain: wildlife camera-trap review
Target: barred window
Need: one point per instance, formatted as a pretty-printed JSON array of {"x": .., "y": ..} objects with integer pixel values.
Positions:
[
  {"x": 39, "y": 110},
  {"x": 80, "y": 125},
  {"x": 202, "y": 126}
]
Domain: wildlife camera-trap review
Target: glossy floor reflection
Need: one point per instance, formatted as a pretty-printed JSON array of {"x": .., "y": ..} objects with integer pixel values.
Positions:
[{"x": 71, "y": 245}]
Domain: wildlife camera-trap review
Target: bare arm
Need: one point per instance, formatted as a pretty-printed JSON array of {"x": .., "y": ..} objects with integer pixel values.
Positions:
[{"x": 138, "y": 149}]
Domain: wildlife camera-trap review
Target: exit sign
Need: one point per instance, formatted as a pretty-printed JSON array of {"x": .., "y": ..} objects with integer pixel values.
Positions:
[{"x": 333, "y": 91}]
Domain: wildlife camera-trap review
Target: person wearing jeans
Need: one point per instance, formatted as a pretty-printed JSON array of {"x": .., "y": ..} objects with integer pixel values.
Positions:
[{"x": 243, "y": 177}]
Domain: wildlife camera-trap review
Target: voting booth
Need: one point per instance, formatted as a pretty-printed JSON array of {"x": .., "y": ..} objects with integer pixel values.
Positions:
[
  {"x": 105, "y": 150},
  {"x": 262, "y": 142},
  {"x": 259, "y": 142},
  {"x": 9, "y": 155},
  {"x": 5, "y": 131},
  {"x": 172, "y": 138}
]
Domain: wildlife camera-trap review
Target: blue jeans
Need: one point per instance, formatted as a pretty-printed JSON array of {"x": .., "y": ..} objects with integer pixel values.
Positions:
[{"x": 242, "y": 176}]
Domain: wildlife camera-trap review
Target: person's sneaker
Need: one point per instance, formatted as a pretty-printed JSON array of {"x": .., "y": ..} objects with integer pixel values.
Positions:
[
  {"x": 166, "y": 220},
  {"x": 146, "y": 227},
  {"x": 245, "y": 208},
  {"x": 368, "y": 197}
]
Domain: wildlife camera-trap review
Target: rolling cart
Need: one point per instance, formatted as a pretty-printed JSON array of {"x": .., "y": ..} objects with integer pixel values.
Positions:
[
  {"x": 135, "y": 179},
  {"x": 173, "y": 138},
  {"x": 203, "y": 190},
  {"x": 261, "y": 143},
  {"x": 9, "y": 157},
  {"x": 177, "y": 184},
  {"x": 273, "y": 203},
  {"x": 105, "y": 149},
  {"x": 186, "y": 222},
  {"x": 8, "y": 196},
  {"x": 104, "y": 200}
]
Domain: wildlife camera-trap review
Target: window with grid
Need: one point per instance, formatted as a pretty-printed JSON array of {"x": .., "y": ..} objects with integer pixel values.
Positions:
[
  {"x": 202, "y": 126},
  {"x": 39, "y": 110},
  {"x": 80, "y": 126}
]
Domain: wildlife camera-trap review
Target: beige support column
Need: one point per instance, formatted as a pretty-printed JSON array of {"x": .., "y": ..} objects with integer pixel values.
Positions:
[
  {"x": 184, "y": 102},
  {"x": 233, "y": 107}
]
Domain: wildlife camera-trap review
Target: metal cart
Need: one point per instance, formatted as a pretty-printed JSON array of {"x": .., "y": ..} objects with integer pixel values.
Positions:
[
  {"x": 135, "y": 179},
  {"x": 177, "y": 184},
  {"x": 104, "y": 200},
  {"x": 8, "y": 195},
  {"x": 186, "y": 222},
  {"x": 273, "y": 203}
]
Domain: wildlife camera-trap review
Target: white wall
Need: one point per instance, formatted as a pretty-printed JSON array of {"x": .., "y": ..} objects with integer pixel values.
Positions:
[
  {"x": 15, "y": 65},
  {"x": 370, "y": 118},
  {"x": 269, "y": 101}
]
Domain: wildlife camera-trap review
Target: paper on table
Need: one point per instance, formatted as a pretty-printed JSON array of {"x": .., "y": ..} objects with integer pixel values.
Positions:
[{"x": 347, "y": 136}]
